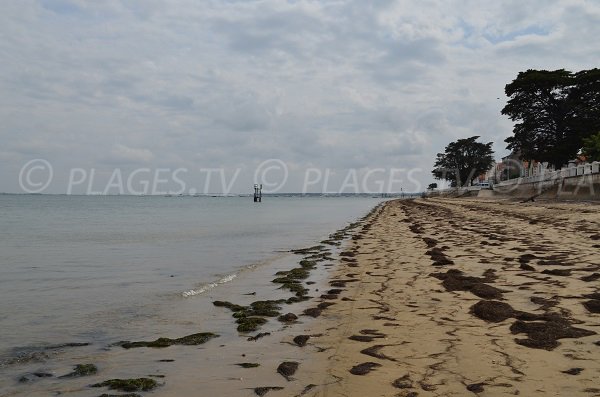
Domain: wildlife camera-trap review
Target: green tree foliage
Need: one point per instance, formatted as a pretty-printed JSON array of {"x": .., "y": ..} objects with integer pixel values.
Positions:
[
  {"x": 463, "y": 160},
  {"x": 591, "y": 147},
  {"x": 432, "y": 186},
  {"x": 554, "y": 112}
]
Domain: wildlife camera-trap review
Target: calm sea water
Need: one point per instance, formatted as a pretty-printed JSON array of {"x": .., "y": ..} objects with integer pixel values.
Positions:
[{"x": 76, "y": 268}]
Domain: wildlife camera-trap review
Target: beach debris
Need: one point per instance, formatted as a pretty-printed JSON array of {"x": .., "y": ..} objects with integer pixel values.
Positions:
[
  {"x": 261, "y": 391},
  {"x": 190, "y": 340},
  {"x": 287, "y": 318},
  {"x": 403, "y": 383},
  {"x": 287, "y": 369},
  {"x": 248, "y": 365},
  {"x": 364, "y": 368},
  {"x": 258, "y": 336},
  {"x": 166, "y": 360},
  {"x": 301, "y": 340},
  {"x": 81, "y": 370},
  {"x": 138, "y": 384},
  {"x": 476, "y": 387},
  {"x": 573, "y": 371}
]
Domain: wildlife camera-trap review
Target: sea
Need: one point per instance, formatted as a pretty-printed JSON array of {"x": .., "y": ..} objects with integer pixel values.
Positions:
[{"x": 99, "y": 269}]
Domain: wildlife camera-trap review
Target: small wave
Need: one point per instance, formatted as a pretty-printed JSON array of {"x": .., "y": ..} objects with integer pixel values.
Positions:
[
  {"x": 225, "y": 279},
  {"x": 207, "y": 287}
]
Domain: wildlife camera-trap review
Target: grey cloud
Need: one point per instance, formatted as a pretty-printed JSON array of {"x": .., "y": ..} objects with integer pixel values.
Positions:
[{"x": 222, "y": 83}]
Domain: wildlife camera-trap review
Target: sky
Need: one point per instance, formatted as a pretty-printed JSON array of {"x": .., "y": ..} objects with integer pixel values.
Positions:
[{"x": 301, "y": 95}]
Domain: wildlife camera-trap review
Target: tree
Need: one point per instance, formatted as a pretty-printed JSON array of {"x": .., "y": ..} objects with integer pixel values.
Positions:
[
  {"x": 432, "y": 186},
  {"x": 591, "y": 147},
  {"x": 554, "y": 111},
  {"x": 463, "y": 160}
]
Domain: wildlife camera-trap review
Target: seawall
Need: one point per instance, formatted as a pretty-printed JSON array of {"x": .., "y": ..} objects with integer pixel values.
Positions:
[{"x": 582, "y": 187}]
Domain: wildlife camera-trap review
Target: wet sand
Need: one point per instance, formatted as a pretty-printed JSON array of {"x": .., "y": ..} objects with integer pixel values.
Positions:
[{"x": 462, "y": 297}]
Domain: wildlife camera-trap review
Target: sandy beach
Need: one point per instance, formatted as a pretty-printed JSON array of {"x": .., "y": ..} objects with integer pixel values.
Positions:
[
  {"x": 458, "y": 297},
  {"x": 425, "y": 297}
]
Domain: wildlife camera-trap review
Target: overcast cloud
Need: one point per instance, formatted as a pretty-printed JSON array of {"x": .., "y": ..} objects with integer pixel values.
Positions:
[{"x": 327, "y": 84}]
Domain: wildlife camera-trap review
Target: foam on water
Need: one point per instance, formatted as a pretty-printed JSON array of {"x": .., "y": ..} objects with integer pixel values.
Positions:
[{"x": 207, "y": 287}]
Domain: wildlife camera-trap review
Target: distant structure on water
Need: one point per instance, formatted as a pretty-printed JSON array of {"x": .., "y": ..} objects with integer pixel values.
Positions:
[{"x": 257, "y": 193}]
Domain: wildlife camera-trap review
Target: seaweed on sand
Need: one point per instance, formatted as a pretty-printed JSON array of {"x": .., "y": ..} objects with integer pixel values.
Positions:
[
  {"x": 261, "y": 391},
  {"x": 542, "y": 330},
  {"x": 250, "y": 318},
  {"x": 364, "y": 368},
  {"x": 189, "y": 340},
  {"x": 287, "y": 369},
  {"x": 138, "y": 384},
  {"x": 455, "y": 280},
  {"x": 82, "y": 370}
]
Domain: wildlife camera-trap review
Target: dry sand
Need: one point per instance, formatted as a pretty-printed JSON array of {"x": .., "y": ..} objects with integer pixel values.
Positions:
[{"x": 403, "y": 324}]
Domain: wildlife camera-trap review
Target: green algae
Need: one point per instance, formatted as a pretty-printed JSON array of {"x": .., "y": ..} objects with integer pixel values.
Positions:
[
  {"x": 138, "y": 384},
  {"x": 308, "y": 264},
  {"x": 121, "y": 395},
  {"x": 250, "y": 324},
  {"x": 250, "y": 318},
  {"x": 81, "y": 370},
  {"x": 296, "y": 299},
  {"x": 231, "y": 306},
  {"x": 298, "y": 273},
  {"x": 190, "y": 340},
  {"x": 268, "y": 308},
  {"x": 309, "y": 250}
]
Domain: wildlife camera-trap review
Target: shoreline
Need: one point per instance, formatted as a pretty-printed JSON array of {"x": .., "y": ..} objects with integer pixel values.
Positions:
[{"x": 389, "y": 314}]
